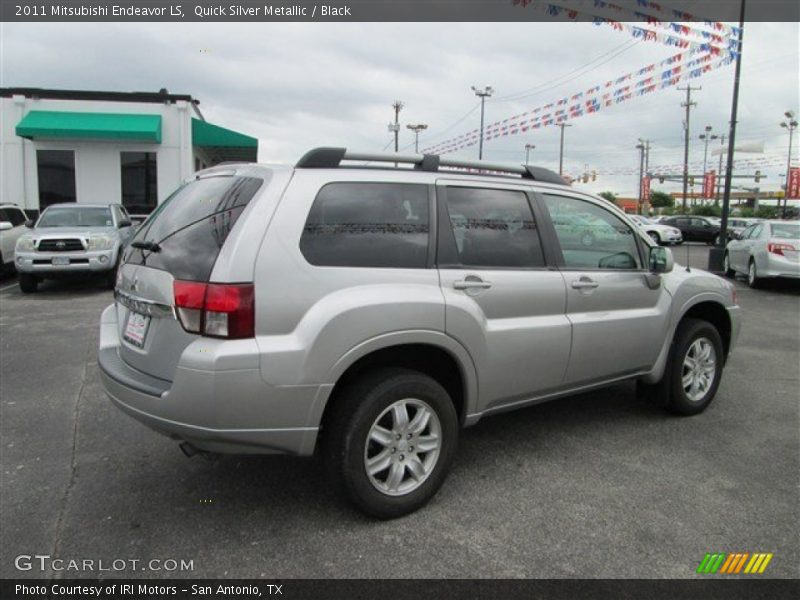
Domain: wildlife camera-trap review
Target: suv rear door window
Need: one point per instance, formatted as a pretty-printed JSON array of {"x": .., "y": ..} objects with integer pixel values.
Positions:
[
  {"x": 191, "y": 226},
  {"x": 368, "y": 225},
  {"x": 493, "y": 228}
]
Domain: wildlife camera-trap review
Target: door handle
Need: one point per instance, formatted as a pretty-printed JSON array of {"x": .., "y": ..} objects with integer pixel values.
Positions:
[
  {"x": 472, "y": 284},
  {"x": 584, "y": 283}
]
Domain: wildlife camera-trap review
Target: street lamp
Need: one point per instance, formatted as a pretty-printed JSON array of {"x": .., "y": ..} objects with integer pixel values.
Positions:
[
  {"x": 416, "y": 129},
  {"x": 562, "y": 125},
  {"x": 482, "y": 93},
  {"x": 707, "y": 137},
  {"x": 790, "y": 124},
  {"x": 528, "y": 148}
]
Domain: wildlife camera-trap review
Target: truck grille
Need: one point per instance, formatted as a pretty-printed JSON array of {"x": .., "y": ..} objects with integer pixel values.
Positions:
[{"x": 66, "y": 245}]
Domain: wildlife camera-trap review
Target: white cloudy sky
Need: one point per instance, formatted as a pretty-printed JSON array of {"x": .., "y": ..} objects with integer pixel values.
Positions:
[{"x": 300, "y": 85}]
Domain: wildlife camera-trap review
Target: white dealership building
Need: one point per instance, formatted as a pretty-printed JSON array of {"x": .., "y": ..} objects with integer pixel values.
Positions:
[{"x": 95, "y": 147}]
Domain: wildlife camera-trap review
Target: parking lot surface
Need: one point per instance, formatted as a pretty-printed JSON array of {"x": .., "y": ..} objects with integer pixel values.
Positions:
[{"x": 596, "y": 485}]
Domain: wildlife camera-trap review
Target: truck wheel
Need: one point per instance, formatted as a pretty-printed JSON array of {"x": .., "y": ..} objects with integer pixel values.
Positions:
[
  {"x": 391, "y": 440},
  {"x": 694, "y": 369},
  {"x": 28, "y": 283}
]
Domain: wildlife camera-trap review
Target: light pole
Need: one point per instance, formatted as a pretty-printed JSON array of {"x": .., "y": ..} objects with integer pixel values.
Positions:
[
  {"x": 528, "y": 148},
  {"x": 719, "y": 171},
  {"x": 706, "y": 137},
  {"x": 416, "y": 129},
  {"x": 561, "y": 149},
  {"x": 482, "y": 93},
  {"x": 791, "y": 124},
  {"x": 640, "y": 147},
  {"x": 397, "y": 106}
]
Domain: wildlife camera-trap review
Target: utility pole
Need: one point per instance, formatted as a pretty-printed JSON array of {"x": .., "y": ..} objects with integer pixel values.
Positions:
[
  {"x": 397, "y": 106},
  {"x": 643, "y": 171},
  {"x": 528, "y": 148},
  {"x": 719, "y": 172},
  {"x": 716, "y": 253},
  {"x": 688, "y": 105},
  {"x": 791, "y": 125},
  {"x": 416, "y": 129},
  {"x": 640, "y": 147},
  {"x": 561, "y": 150},
  {"x": 482, "y": 93}
]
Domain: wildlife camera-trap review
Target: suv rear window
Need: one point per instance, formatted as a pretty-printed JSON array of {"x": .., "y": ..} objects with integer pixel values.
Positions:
[
  {"x": 368, "y": 225},
  {"x": 192, "y": 225}
]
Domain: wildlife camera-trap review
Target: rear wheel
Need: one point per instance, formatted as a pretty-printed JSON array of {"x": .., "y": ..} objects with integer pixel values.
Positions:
[
  {"x": 391, "y": 441},
  {"x": 28, "y": 283},
  {"x": 726, "y": 266},
  {"x": 753, "y": 280}
]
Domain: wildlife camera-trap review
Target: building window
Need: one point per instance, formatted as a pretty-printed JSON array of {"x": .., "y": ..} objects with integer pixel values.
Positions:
[
  {"x": 56, "y": 171},
  {"x": 139, "y": 189}
]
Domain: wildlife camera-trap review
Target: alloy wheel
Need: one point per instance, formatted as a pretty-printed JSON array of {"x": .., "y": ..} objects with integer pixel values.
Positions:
[
  {"x": 699, "y": 369},
  {"x": 403, "y": 447}
]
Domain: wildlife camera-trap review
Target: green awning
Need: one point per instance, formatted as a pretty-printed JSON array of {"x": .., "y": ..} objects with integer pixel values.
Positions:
[
  {"x": 90, "y": 125},
  {"x": 223, "y": 145}
]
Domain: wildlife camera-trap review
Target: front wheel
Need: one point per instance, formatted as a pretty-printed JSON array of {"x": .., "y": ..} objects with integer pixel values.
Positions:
[
  {"x": 654, "y": 236},
  {"x": 391, "y": 441},
  {"x": 28, "y": 283},
  {"x": 695, "y": 367},
  {"x": 726, "y": 266}
]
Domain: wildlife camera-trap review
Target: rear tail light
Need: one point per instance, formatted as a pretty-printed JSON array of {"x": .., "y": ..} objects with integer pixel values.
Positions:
[
  {"x": 778, "y": 248},
  {"x": 216, "y": 309}
]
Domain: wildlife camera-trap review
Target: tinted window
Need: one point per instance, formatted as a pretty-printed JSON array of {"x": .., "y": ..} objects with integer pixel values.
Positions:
[
  {"x": 493, "y": 228},
  {"x": 700, "y": 223},
  {"x": 56, "y": 173},
  {"x": 682, "y": 222},
  {"x": 68, "y": 216},
  {"x": 368, "y": 225},
  {"x": 12, "y": 215},
  {"x": 592, "y": 237},
  {"x": 192, "y": 225}
]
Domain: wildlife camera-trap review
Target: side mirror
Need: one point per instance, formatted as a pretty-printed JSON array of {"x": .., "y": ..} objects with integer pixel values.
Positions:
[
  {"x": 124, "y": 223},
  {"x": 30, "y": 223},
  {"x": 661, "y": 260}
]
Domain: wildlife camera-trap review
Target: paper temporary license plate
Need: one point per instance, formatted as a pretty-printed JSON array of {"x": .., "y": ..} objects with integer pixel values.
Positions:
[
  {"x": 60, "y": 260},
  {"x": 136, "y": 329}
]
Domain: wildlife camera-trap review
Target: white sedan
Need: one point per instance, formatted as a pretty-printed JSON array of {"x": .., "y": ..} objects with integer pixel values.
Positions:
[
  {"x": 660, "y": 234},
  {"x": 765, "y": 249}
]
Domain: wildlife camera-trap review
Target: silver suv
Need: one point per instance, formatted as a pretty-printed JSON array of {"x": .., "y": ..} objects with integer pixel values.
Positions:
[
  {"x": 72, "y": 239},
  {"x": 369, "y": 312}
]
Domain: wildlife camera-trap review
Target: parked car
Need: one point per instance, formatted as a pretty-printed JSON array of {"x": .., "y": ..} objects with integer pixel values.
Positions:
[
  {"x": 73, "y": 239},
  {"x": 737, "y": 225},
  {"x": 658, "y": 232},
  {"x": 764, "y": 250},
  {"x": 12, "y": 226},
  {"x": 695, "y": 229},
  {"x": 367, "y": 314}
]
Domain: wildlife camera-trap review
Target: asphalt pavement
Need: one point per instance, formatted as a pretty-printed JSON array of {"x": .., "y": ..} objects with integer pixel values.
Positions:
[{"x": 595, "y": 485}]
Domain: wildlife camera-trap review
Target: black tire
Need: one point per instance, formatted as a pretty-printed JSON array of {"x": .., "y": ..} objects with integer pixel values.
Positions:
[
  {"x": 345, "y": 438},
  {"x": 726, "y": 266},
  {"x": 753, "y": 280},
  {"x": 28, "y": 284},
  {"x": 672, "y": 390},
  {"x": 655, "y": 237}
]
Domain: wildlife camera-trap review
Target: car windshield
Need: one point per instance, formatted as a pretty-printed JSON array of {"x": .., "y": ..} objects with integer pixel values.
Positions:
[
  {"x": 786, "y": 231},
  {"x": 69, "y": 216}
]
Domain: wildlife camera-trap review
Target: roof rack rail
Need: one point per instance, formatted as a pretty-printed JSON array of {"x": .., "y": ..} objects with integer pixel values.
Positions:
[{"x": 331, "y": 158}]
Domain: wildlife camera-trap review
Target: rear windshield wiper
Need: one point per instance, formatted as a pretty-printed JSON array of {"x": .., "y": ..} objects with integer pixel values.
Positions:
[{"x": 151, "y": 246}]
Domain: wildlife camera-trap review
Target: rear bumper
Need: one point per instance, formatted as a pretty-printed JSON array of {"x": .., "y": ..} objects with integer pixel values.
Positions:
[
  {"x": 778, "y": 266},
  {"x": 224, "y": 411}
]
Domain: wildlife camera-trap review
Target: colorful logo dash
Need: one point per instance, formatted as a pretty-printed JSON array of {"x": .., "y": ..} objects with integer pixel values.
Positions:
[{"x": 734, "y": 563}]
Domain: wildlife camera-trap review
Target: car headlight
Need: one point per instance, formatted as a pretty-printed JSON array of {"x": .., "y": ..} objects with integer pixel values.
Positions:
[
  {"x": 100, "y": 242},
  {"x": 25, "y": 243}
]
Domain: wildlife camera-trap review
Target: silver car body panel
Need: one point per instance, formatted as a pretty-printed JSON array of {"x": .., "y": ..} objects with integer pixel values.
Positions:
[
  {"x": 768, "y": 264},
  {"x": 529, "y": 337}
]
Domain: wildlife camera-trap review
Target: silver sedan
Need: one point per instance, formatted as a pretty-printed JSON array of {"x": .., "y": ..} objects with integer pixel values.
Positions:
[{"x": 765, "y": 249}]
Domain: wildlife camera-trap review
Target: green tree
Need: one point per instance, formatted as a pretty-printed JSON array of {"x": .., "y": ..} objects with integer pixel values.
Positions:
[
  {"x": 610, "y": 196},
  {"x": 706, "y": 210},
  {"x": 661, "y": 199}
]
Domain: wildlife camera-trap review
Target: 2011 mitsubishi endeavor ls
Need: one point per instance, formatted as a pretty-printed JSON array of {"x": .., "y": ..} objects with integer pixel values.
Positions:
[{"x": 368, "y": 313}]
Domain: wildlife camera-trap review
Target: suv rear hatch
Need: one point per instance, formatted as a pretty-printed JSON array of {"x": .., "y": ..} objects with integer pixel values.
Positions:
[{"x": 172, "y": 257}]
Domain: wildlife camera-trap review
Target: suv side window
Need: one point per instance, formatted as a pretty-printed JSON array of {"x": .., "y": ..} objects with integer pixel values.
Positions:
[
  {"x": 14, "y": 216},
  {"x": 383, "y": 225},
  {"x": 592, "y": 237},
  {"x": 493, "y": 228}
]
